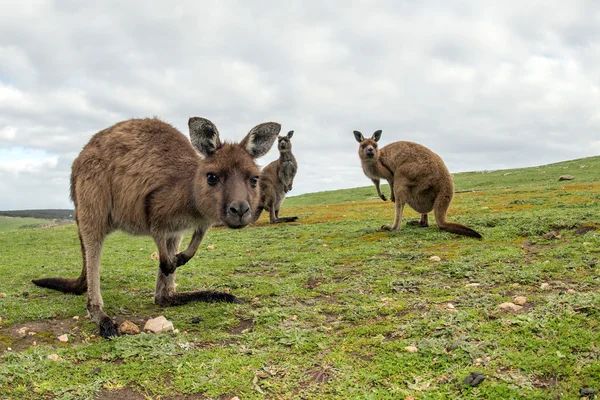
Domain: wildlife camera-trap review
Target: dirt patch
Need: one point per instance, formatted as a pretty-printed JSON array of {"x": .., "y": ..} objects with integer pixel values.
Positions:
[
  {"x": 22, "y": 336},
  {"x": 244, "y": 326},
  {"x": 130, "y": 394},
  {"x": 585, "y": 228}
]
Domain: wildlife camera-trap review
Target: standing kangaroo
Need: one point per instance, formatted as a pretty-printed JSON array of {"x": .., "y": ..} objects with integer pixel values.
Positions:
[
  {"x": 276, "y": 180},
  {"x": 144, "y": 177},
  {"x": 416, "y": 175}
]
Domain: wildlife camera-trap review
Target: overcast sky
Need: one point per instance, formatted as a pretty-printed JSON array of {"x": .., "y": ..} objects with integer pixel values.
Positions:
[{"x": 486, "y": 86}]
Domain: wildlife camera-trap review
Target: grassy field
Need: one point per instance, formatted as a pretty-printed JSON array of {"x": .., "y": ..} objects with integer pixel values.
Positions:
[
  {"x": 332, "y": 302},
  {"x": 12, "y": 223}
]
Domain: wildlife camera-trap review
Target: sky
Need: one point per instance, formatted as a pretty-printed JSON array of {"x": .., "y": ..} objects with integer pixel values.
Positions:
[{"x": 484, "y": 85}]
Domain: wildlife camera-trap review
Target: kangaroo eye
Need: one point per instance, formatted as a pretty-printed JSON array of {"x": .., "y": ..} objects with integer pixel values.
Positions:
[
  {"x": 212, "y": 179},
  {"x": 254, "y": 181}
]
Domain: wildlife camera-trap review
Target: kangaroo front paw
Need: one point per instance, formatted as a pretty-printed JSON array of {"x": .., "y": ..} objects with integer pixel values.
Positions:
[
  {"x": 108, "y": 328},
  {"x": 382, "y": 197},
  {"x": 181, "y": 259}
]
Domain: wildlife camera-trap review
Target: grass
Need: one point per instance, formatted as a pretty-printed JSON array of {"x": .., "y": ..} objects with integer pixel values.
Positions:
[
  {"x": 12, "y": 223},
  {"x": 332, "y": 302}
]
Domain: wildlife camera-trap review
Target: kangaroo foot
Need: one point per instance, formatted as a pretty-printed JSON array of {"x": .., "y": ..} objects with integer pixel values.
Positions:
[
  {"x": 107, "y": 328},
  {"x": 388, "y": 228},
  {"x": 284, "y": 219}
]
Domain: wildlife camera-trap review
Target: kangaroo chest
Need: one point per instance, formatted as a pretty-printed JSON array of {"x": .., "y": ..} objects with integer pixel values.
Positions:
[{"x": 370, "y": 170}]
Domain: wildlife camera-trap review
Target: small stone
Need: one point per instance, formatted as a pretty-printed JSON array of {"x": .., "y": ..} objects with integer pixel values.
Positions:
[
  {"x": 34, "y": 343},
  {"x": 411, "y": 349},
  {"x": 8, "y": 349},
  {"x": 76, "y": 318},
  {"x": 435, "y": 259},
  {"x": 2, "y": 295},
  {"x": 545, "y": 286},
  {"x": 159, "y": 324},
  {"x": 473, "y": 284},
  {"x": 586, "y": 392},
  {"x": 478, "y": 362},
  {"x": 474, "y": 379},
  {"x": 255, "y": 300},
  {"x": 22, "y": 331},
  {"x": 566, "y": 178},
  {"x": 53, "y": 357},
  {"x": 511, "y": 307},
  {"x": 520, "y": 300},
  {"x": 452, "y": 347},
  {"x": 128, "y": 328},
  {"x": 571, "y": 291},
  {"x": 210, "y": 247},
  {"x": 516, "y": 284},
  {"x": 154, "y": 256},
  {"x": 31, "y": 333},
  {"x": 235, "y": 398},
  {"x": 63, "y": 338},
  {"x": 552, "y": 235},
  {"x": 175, "y": 331},
  {"x": 450, "y": 306}
]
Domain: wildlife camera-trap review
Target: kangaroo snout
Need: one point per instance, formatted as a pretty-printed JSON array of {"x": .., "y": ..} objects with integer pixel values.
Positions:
[{"x": 238, "y": 214}]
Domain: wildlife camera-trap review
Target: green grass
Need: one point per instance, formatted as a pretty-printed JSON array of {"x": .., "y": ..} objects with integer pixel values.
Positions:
[
  {"x": 12, "y": 223},
  {"x": 332, "y": 302}
]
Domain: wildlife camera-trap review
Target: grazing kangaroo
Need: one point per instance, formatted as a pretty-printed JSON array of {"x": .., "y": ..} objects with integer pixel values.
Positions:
[
  {"x": 144, "y": 177},
  {"x": 276, "y": 180},
  {"x": 416, "y": 175}
]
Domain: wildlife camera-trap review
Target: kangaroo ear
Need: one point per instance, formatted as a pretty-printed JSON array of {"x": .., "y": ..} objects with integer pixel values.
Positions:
[
  {"x": 358, "y": 136},
  {"x": 290, "y": 134},
  {"x": 376, "y": 135},
  {"x": 259, "y": 140},
  {"x": 204, "y": 136}
]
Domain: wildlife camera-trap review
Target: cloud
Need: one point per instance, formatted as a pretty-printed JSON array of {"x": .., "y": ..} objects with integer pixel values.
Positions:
[{"x": 484, "y": 86}]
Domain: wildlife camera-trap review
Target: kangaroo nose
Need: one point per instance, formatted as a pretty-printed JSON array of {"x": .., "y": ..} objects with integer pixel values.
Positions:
[{"x": 240, "y": 208}]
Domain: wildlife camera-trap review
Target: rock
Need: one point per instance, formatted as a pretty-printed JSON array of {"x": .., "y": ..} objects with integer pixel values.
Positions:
[
  {"x": 157, "y": 325},
  {"x": 545, "y": 286},
  {"x": 435, "y": 259},
  {"x": 411, "y": 349},
  {"x": 53, "y": 357},
  {"x": 76, "y": 318},
  {"x": 210, "y": 247},
  {"x": 312, "y": 282},
  {"x": 474, "y": 379},
  {"x": 235, "y": 398},
  {"x": 255, "y": 300},
  {"x": 511, "y": 307},
  {"x": 63, "y": 338},
  {"x": 452, "y": 347},
  {"x": 2, "y": 295},
  {"x": 473, "y": 284},
  {"x": 128, "y": 328},
  {"x": 571, "y": 291},
  {"x": 566, "y": 178},
  {"x": 30, "y": 333},
  {"x": 450, "y": 306},
  {"x": 520, "y": 300},
  {"x": 587, "y": 392},
  {"x": 154, "y": 256},
  {"x": 22, "y": 331}
]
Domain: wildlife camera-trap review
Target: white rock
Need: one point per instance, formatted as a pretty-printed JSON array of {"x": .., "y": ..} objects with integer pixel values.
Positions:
[
  {"x": 450, "y": 306},
  {"x": 23, "y": 331},
  {"x": 63, "y": 338},
  {"x": 435, "y": 259},
  {"x": 128, "y": 328},
  {"x": 474, "y": 284},
  {"x": 510, "y": 307},
  {"x": 154, "y": 256},
  {"x": 2, "y": 295},
  {"x": 571, "y": 291},
  {"x": 210, "y": 247},
  {"x": 159, "y": 324},
  {"x": 545, "y": 286},
  {"x": 411, "y": 349},
  {"x": 53, "y": 357},
  {"x": 520, "y": 300},
  {"x": 76, "y": 318}
]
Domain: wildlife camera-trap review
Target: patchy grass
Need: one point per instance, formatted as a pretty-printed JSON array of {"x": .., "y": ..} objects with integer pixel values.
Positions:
[
  {"x": 333, "y": 302},
  {"x": 13, "y": 223}
]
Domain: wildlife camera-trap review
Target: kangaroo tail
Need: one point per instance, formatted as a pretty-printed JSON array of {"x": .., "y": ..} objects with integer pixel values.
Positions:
[
  {"x": 65, "y": 285},
  {"x": 460, "y": 230}
]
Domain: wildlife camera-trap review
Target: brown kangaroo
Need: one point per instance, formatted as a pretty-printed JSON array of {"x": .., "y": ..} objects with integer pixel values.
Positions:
[
  {"x": 144, "y": 177},
  {"x": 276, "y": 180},
  {"x": 416, "y": 175}
]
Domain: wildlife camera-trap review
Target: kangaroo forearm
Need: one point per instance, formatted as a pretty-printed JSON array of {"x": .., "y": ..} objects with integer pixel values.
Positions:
[{"x": 192, "y": 248}]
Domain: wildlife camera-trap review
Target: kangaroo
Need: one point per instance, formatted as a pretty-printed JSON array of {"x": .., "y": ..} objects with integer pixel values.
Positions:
[
  {"x": 144, "y": 177},
  {"x": 276, "y": 180},
  {"x": 416, "y": 175}
]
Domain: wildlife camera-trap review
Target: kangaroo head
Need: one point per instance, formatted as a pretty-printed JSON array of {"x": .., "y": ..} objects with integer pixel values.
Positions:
[
  {"x": 285, "y": 143},
  {"x": 368, "y": 147},
  {"x": 226, "y": 186}
]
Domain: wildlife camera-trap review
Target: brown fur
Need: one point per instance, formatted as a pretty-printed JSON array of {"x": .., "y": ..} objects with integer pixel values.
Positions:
[
  {"x": 416, "y": 175},
  {"x": 144, "y": 177},
  {"x": 276, "y": 180}
]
